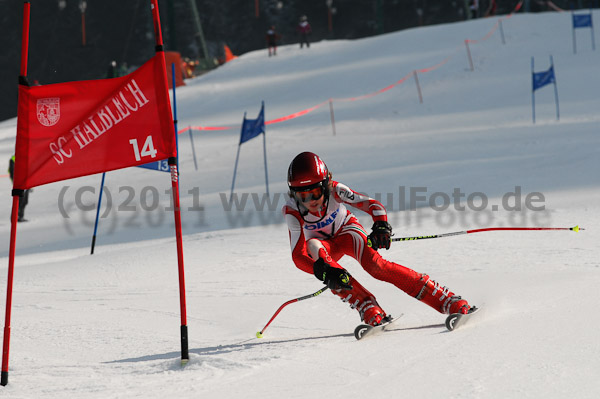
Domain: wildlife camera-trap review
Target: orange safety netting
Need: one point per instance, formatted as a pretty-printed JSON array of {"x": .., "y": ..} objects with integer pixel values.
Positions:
[{"x": 362, "y": 97}]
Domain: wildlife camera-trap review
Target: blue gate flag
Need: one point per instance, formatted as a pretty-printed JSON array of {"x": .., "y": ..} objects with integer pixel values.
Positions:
[
  {"x": 582, "y": 20},
  {"x": 161, "y": 166},
  {"x": 541, "y": 79},
  {"x": 250, "y": 129},
  {"x": 253, "y": 127}
]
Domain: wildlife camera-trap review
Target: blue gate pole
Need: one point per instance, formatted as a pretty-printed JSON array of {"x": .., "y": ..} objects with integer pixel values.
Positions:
[
  {"x": 573, "y": 30},
  {"x": 175, "y": 116},
  {"x": 265, "y": 149},
  {"x": 235, "y": 171},
  {"x": 98, "y": 214},
  {"x": 555, "y": 88},
  {"x": 532, "y": 92},
  {"x": 592, "y": 29},
  {"x": 193, "y": 149},
  {"x": 237, "y": 158}
]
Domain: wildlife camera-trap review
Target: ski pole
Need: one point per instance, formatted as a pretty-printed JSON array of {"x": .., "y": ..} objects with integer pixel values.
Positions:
[
  {"x": 259, "y": 334},
  {"x": 457, "y": 233}
]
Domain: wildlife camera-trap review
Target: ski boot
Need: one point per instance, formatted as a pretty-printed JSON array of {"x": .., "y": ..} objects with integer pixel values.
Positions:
[
  {"x": 364, "y": 302},
  {"x": 441, "y": 298},
  {"x": 374, "y": 316}
]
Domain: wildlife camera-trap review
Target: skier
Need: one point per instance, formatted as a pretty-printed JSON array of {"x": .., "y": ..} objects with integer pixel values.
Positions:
[
  {"x": 304, "y": 30},
  {"x": 322, "y": 230},
  {"x": 272, "y": 38}
]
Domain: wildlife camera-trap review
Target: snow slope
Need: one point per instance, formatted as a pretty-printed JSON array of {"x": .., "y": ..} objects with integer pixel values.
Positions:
[{"x": 107, "y": 325}]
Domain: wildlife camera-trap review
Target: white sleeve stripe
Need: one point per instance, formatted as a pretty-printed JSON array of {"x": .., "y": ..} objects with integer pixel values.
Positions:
[{"x": 379, "y": 213}]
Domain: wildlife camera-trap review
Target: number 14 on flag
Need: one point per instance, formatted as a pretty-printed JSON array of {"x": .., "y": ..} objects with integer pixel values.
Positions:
[{"x": 147, "y": 149}]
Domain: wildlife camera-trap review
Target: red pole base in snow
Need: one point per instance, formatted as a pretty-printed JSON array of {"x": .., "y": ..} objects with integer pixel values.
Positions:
[{"x": 185, "y": 353}]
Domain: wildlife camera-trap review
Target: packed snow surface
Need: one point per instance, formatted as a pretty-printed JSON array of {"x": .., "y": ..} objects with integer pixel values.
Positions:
[{"x": 108, "y": 325}]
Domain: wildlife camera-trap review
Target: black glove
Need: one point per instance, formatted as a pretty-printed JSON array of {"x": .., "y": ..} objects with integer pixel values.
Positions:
[
  {"x": 333, "y": 277},
  {"x": 381, "y": 235}
]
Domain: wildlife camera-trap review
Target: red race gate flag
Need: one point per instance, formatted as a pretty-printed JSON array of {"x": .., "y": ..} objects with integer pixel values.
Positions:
[{"x": 73, "y": 129}]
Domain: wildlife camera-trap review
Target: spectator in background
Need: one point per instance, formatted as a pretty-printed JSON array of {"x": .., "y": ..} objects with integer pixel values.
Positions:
[
  {"x": 491, "y": 11},
  {"x": 419, "y": 12},
  {"x": 112, "y": 70},
  {"x": 272, "y": 39},
  {"x": 474, "y": 8},
  {"x": 123, "y": 69},
  {"x": 189, "y": 67},
  {"x": 304, "y": 30}
]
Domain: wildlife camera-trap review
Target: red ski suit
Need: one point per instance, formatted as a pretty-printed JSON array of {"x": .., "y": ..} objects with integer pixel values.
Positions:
[{"x": 336, "y": 232}]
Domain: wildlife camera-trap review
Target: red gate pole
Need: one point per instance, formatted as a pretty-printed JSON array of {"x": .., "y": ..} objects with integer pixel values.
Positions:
[
  {"x": 177, "y": 214},
  {"x": 182, "y": 303},
  {"x": 9, "y": 288},
  {"x": 15, "y": 211}
]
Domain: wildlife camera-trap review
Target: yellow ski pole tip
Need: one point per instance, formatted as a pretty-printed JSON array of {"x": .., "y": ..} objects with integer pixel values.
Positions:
[
  {"x": 576, "y": 229},
  {"x": 259, "y": 334}
]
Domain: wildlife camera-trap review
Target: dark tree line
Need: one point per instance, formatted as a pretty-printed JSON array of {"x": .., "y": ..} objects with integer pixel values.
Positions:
[{"x": 122, "y": 30}]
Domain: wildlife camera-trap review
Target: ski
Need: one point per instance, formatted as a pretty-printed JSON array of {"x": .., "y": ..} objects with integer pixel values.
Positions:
[
  {"x": 456, "y": 320},
  {"x": 365, "y": 330}
]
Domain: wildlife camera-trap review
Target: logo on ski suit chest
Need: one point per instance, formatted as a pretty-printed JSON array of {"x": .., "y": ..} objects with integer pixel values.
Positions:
[{"x": 322, "y": 223}]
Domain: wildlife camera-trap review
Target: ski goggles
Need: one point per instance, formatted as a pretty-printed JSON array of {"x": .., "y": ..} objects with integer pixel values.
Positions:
[{"x": 309, "y": 194}]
